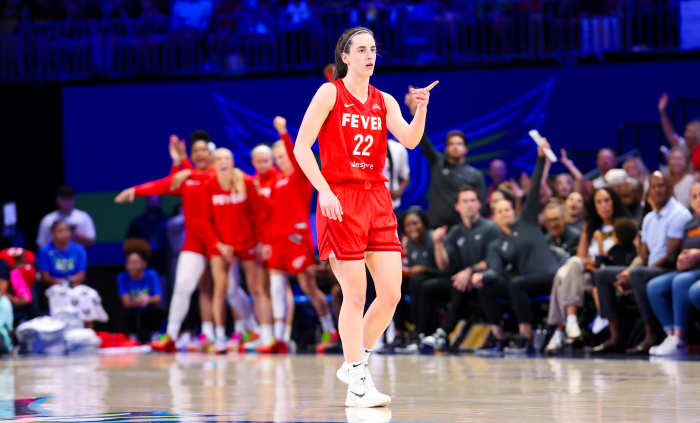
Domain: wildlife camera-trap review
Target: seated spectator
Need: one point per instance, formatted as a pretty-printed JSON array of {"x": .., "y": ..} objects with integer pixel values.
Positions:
[
  {"x": 397, "y": 171},
  {"x": 662, "y": 231},
  {"x": 637, "y": 170},
  {"x": 669, "y": 293},
  {"x": 624, "y": 251},
  {"x": 522, "y": 248},
  {"x": 631, "y": 192},
  {"x": 580, "y": 184},
  {"x": 449, "y": 171},
  {"x": 606, "y": 161},
  {"x": 140, "y": 292},
  {"x": 574, "y": 210},
  {"x": 461, "y": 252},
  {"x": 563, "y": 186},
  {"x": 570, "y": 281},
  {"x": 81, "y": 225},
  {"x": 690, "y": 139},
  {"x": 681, "y": 178},
  {"x": 60, "y": 262},
  {"x": 151, "y": 226},
  {"x": 498, "y": 172},
  {"x": 561, "y": 238},
  {"x": 510, "y": 191},
  {"x": 419, "y": 262},
  {"x": 6, "y": 316},
  {"x": 22, "y": 276}
]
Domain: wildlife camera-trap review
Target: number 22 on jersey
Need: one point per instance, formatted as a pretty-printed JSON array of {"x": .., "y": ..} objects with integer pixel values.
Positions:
[{"x": 359, "y": 140}]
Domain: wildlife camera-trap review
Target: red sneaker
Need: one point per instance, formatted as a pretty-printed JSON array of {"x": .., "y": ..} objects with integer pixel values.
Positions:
[
  {"x": 328, "y": 340},
  {"x": 281, "y": 347},
  {"x": 269, "y": 348},
  {"x": 164, "y": 344}
]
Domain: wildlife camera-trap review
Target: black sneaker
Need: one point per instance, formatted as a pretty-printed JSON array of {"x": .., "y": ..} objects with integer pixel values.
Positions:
[
  {"x": 520, "y": 346},
  {"x": 492, "y": 346}
]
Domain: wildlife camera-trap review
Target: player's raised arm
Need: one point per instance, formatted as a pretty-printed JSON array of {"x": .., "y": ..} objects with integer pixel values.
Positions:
[
  {"x": 408, "y": 134},
  {"x": 315, "y": 115}
]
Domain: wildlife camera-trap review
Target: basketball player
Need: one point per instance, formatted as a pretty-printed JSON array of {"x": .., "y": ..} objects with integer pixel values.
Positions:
[
  {"x": 356, "y": 224},
  {"x": 192, "y": 260},
  {"x": 230, "y": 230},
  {"x": 266, "y": 174},
  {"x": 290, "y": 244}
]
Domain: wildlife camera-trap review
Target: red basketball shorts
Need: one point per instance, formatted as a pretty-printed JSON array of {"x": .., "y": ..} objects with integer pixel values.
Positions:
[
  {"x": 197, "y": 244},
  {"x": 292, "y": 254},
  {"x": 242, "y": 253},
  {"x": 369, "y": 223}
]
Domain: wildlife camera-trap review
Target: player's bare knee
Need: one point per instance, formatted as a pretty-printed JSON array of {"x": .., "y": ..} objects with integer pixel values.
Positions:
[
  {"x": 354, "y": 300},
  {"x": 390, "y": 297}
]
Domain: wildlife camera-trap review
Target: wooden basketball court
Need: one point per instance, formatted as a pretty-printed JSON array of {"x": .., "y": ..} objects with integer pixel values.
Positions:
[{"x": 303, "y": 388}]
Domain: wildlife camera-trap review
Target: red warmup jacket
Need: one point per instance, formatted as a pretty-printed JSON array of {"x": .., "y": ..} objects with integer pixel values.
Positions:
[
  {"x": 193, "y": 197},
  {"x": 230, "y": 215},
  {"x": 263, "y": 206},
  {"x": 291, "y": 199}
]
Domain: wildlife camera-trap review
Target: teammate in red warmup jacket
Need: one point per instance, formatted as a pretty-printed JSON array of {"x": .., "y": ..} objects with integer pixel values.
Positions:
[
  {"x": 230, "y": 228},
  {"x": 265, "y": 178},
  {"x": 355, "y": 222},
  {"x": 291, "y": 247},
  {"x": 192, "y": 261}
]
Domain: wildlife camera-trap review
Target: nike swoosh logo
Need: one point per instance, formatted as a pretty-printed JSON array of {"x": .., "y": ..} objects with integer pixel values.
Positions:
[
  {"x": 348, "y": 105},
  {"x": 357, "y": 365},
  {"x": 358, "y": 395}
]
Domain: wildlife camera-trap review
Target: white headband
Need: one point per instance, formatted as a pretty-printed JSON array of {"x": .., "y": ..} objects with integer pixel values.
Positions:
[{"x": 359, "y": 31}]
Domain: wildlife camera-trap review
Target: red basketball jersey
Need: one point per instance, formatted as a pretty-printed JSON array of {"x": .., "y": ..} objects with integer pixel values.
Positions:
[{"x": 352, "y": 140}]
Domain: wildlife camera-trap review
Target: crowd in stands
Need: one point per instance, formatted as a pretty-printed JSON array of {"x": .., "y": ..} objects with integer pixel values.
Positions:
[
  {"x": 612, "y": 262},
  {"x": 196, "y": 13}
]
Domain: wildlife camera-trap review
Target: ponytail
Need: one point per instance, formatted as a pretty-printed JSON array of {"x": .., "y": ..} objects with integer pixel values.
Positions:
[{"x": 343, "y": 46}]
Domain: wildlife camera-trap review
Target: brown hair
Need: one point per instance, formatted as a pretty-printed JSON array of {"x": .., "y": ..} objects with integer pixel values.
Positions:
[
  {"x": 457, "y": 133},
  {"x": 626, "y": 230},
  {"x": 139, "y": 246},
  {"x": 343, "y": 46}
]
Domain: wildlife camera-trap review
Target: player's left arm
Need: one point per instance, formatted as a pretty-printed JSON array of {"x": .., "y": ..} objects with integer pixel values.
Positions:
[{"x": 408, "y": 134}]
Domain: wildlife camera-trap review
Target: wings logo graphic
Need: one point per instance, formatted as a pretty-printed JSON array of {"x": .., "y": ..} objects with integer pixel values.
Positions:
[{"x": 498, "y": 133}]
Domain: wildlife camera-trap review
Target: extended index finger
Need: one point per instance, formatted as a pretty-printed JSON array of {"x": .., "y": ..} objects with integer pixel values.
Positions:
[{"x": 430, "y": 87}]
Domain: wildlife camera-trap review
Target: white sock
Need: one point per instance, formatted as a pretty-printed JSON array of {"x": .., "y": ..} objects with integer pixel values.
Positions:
[
  {"x": 571, "y": 319},
  {"x": 327, "y": 323},
  {"x": 266, "y": 334},
  {"x": 356, "y": 371},
  {"x": 287, "y": 333},
  {"x": 220, "y": 333},
  {"x": 240, "y": 301},
  {"x": 239, "y": 326},
  {"x": 390, "y": 332},
  {"x": 365, "y": 354},
  {"x": 208, "y": 330},
  {"x": 278, "y": 295},
  {"x": 190, "y": 267},
  {"x": 251, "y": 324},
  {"x": 279, "y": 330}
]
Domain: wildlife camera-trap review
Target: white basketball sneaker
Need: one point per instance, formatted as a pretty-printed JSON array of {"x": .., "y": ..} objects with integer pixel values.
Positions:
[
  {"x": 343, "y": 374},
  {"x": 360, "y": 394},
  {"x": 368, "y": 415}
]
